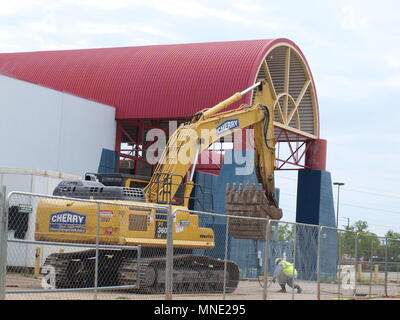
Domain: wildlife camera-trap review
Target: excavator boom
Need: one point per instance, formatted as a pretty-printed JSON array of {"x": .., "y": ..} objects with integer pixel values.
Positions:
[{"x": 208, "y": 126}]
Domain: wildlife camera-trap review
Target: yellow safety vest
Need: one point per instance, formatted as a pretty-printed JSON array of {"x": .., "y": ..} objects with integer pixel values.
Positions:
[{"x": 288, "y": 268}]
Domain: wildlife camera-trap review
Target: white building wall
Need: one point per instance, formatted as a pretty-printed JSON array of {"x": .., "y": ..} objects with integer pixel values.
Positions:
[
  {"x": 33, "y": 181},
  {"x": 46, "y": 129},
  {"x": 59, "y": 135}
]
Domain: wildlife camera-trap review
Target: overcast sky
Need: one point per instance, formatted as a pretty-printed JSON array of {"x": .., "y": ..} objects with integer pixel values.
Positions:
[{"x": 353, "y": 48}]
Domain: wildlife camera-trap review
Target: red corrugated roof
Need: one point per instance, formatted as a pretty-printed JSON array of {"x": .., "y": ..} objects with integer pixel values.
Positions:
[{"x": 148, "y": 82}]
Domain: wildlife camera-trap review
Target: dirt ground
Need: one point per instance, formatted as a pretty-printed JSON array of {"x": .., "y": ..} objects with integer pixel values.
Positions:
[{"x": 19, "y": 285}]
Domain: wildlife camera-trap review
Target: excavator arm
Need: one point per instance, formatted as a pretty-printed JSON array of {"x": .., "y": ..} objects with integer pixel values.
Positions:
[{"x": 208, "y": 126}]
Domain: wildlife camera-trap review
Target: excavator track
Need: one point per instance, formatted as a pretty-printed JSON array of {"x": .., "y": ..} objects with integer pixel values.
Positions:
[
  {"x": 191, "y": 273},
  {"x": 76, "y": 269}
]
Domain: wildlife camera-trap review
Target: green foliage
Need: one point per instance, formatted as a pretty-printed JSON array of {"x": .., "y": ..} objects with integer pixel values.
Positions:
[
  {"x": 392, "y": 235},
  {"x": 393, "y": 247},
  {"x": 360, "y": 226},
  {"x": 368, "y": 243},
  {"x": 285, "y": 232}
]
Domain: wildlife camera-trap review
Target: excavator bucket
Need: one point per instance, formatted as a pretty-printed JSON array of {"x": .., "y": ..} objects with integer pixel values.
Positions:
[{"x": 249, "y": 202}]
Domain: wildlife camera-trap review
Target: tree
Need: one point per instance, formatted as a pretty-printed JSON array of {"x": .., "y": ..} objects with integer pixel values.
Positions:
[
  {"x": 393, "y": 249},
  {"x": 285, "y": 232},
  {"x": 360, "y": 226},
  {"x": 368, "y": 244},
  {"x": 392, "y": 235}
]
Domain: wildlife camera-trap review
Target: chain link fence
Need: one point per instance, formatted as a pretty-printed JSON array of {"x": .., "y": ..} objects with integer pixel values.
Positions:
[
  {"x": 73, "y": 249},
  {"x": 67, "y": 248}
]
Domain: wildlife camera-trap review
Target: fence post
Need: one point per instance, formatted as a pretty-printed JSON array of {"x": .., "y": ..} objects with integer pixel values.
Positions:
[
  {"x": 96, "y": 264},
  {"x": 38, "y": 259},
  {"x": 370, "y": 267},
  {"x": 226, "y": 256},
  {"x": 376, "y": 273},
  {"x": 169, "y": 255},
  {"x": 386, "y": 267},
  {"x": 356, "y": 264},
  {"x": 339, "y": 261},
  {"x": 266, "y": 260},
  {"x": 360, "y": 272},
  {"x": 3, "y": 242},
  {"x": 319, "y": 263},
  {"x": 294, "y": 257}
]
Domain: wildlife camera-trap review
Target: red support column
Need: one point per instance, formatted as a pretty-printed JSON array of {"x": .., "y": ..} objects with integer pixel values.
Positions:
[
  {"x": 316, "y": 155},
  {"x": 118, "y": 139}
]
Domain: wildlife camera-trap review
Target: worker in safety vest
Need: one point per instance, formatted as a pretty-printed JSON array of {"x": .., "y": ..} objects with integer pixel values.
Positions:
[{"x": 285, "y": 273}]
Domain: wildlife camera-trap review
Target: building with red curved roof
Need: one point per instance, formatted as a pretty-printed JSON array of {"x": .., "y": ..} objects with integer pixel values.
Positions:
[
  {"x": 77, "y": 111},
  {"x": 69, "y": 105}
]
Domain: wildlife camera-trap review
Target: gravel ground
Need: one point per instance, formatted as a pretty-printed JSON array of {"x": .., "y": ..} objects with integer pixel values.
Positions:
[{"x": 247, "y": 290}]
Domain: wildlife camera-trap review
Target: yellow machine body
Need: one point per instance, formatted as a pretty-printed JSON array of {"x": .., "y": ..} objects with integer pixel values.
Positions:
[{"x": 120, "y": 223}]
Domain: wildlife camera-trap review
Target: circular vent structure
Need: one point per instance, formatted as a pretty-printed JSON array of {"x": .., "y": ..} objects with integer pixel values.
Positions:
[{"x": 296, "y": 106}]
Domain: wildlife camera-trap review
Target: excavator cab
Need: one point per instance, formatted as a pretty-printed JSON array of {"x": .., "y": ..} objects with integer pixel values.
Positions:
[
  {"x": 119, "y": 179},
  {"x": 163, "y": 182},
  {"x": 138, "y": 182}
]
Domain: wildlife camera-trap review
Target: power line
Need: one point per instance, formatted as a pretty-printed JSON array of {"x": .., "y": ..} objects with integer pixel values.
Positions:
[
  {"x": 382, "y": 226},
  {"x": 352, "y": 205},
  {"x": 373, "y": 193},
  {"x": 369, "y": 208},
  {"x": 354, "y": 217},
  {"x": 286, "y": 178},
  {"x": 287, "y": 194},
  {"x": 358, "y": 206},
  {"x": 352, "y": 190}
]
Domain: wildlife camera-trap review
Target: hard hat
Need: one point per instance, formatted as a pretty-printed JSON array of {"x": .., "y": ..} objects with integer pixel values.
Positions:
[{"x": 277, "y": 261}]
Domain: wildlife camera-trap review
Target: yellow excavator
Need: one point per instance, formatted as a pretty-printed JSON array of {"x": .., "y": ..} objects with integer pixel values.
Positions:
[{"x": 127, "y": 215}]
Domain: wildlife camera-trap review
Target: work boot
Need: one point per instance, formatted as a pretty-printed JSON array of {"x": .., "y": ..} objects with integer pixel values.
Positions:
[
  {"x": 283, "y": 290},
  {"x": 299, "y": 290}
]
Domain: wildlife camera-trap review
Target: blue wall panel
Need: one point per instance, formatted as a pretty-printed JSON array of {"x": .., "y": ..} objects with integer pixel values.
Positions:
[
  {"x": 243, "y": 252},
  {"x": 108, "y": 161},
  {"x": 315, "y": 206}
]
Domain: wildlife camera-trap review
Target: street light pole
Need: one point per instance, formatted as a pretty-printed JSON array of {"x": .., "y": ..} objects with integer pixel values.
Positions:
[{"x": 338, "y": 184}]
